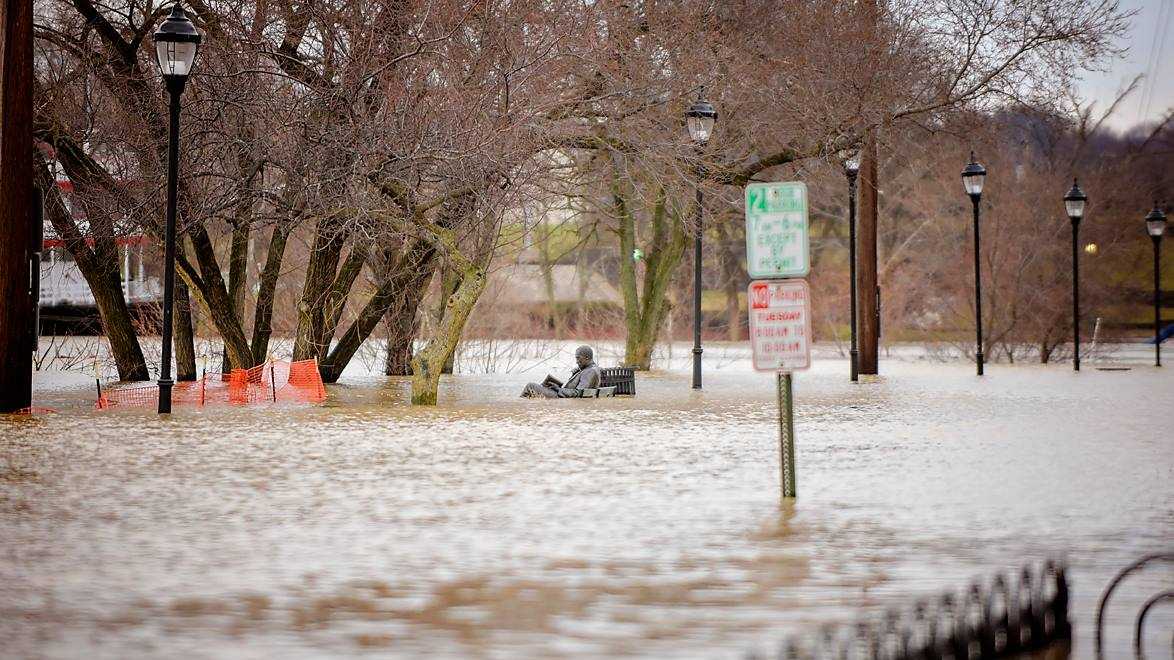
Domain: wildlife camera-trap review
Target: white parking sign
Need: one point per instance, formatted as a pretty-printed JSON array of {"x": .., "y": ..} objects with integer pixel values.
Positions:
[
  {"x": 777, "y": 243},
  {"x": 780, "y": 325}
]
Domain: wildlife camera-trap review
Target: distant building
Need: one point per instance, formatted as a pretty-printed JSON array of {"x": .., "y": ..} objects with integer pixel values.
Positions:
[
  {"x": 62, "y": 284},
  {"x": 66, "y": 299}
]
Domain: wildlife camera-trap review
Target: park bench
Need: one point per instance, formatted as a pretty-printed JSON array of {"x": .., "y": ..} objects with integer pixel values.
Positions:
[{"x": 620, "y": 380}]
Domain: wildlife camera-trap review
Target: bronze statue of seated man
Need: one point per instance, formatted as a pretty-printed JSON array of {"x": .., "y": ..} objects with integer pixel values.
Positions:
[{"x": 586, "y": 377}]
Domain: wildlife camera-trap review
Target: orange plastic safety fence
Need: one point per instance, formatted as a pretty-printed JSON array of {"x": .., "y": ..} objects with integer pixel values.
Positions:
[
  {"x": 296, "y": 381},
  {"x": 303, "y": 382}
]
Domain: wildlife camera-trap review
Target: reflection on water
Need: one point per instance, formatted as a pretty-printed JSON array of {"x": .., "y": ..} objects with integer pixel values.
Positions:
[{"x": 496, "y": 526}]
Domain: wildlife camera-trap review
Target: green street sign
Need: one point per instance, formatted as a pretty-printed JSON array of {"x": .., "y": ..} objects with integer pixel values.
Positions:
[{"x": 777, "y": 241}]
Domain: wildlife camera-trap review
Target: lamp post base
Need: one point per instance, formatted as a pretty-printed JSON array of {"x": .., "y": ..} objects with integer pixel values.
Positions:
[
  {"x": 165, "y": 395},
  {"x": 854, "y": 358},
  {"x": 697, "y": 367},
  {"x": 979, "y": 361}
]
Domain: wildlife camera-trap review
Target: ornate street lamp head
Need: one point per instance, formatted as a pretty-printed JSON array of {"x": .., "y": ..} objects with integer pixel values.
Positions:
[
  {"x": 973, "y": 177},
  {"x": 176, "y": 45},
  {"x": 852, "y": 163},
  {"x": 1155, "y": 222},
  {"x": 700, "y": 118},
  {"x": 1074, "y": 201}
]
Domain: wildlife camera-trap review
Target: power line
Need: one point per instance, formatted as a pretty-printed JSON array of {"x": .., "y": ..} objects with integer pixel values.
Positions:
[
  {"x": 1149, "y": 63},
  {"x": 1159, "y": 60},
  {"x": 1154, "y": 59}
]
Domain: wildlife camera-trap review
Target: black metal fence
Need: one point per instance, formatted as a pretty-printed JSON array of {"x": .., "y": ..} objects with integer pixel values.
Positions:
[{"x": 999, "y": 619}]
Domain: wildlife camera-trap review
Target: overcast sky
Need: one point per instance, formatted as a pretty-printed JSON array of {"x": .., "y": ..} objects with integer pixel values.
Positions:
[{"x": 1150, "y": 50}]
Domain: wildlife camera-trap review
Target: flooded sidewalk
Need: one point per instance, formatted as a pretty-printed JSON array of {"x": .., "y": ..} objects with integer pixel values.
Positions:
[{"x": 492, "y": 526}]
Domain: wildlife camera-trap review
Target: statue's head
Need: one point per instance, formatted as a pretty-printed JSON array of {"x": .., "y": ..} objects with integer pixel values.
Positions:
[{"x": 584, "y": 356}]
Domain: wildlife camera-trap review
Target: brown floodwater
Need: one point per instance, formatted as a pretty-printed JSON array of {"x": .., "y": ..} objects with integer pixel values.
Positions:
[{"x": 491, "y": 526}]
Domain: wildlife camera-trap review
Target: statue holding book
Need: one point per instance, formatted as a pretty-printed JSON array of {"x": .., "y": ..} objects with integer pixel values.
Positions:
[{"x": 586, "y": 377}]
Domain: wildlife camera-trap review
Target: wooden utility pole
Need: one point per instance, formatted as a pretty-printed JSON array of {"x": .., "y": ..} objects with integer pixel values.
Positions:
[
  {"x": 16, "y": 204},
  {"x": 867, "y": 273},
  {"x": 868, "y": 289}
]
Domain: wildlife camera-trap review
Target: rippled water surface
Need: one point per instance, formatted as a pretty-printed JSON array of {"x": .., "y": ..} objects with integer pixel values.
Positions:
[{"x": 499, "y": 527}]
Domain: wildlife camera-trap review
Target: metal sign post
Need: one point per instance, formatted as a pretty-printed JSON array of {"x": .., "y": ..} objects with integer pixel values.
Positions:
[
  {"x": 778, "y": 248},
  {"x": 786, "y": 433},
  {"x": 780, "y": 333}
]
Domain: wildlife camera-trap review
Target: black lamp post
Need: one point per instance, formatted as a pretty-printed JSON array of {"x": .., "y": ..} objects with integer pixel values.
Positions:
[
  {"x": 1074, "y": 203},
  {"x": 851, "y": 169},
  {"x": 700, "y": 118},
  {"x": 1155, "y": 226},
  {"x": 176, "y": 44},
  {"x": 973, "y": 177}
]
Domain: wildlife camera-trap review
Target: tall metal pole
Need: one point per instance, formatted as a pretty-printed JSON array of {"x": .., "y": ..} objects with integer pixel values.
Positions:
[
  {"x": 697, "y": 295},
  {"x": 853, "y": 354},
  {"x": 1157, "y": 300},
  {"x": 175, "y": 86},
  {"x": 1075, "y": 296},
  {"x": 978, "y": 357}
]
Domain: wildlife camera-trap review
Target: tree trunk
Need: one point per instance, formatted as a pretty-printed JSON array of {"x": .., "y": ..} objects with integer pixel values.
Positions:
[
  {"x": 118, "y": 326},
  {"x": 428, "y": 363},
  {"x": 185, "y": 341},
  {"x": 733, "y": 311},
  {"x": 627, "y": 235},
  {"x": 656, "y": 309},
  {"x": 403, "y": 323},
  {"x": 102, "y": 278},
  {"x": 401, "y": 333},
  {"x": 337, "y": 296},
  {"x": 99, "y": 265},
  {"x": 638, "y": 351},
  {"x": 734, "y": 283},
  {"x": 238, "y": 257},
  {"x": 450, "y": 283},
  {"x": 320, "y": 274},
  {"x": 553, "y": 317},
  {"x": 208, "y": 285},
  {"x": 263, "y": 315},
  {"x": 868, "y": 288},
  {"x": 584, "y": 273},
  {"x": 645, "y": 314},
  {"x": 410, "y": 272}
]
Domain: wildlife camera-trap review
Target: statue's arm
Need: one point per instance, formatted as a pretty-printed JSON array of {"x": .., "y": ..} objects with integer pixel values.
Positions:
[{"x": 587, "y": 380}]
